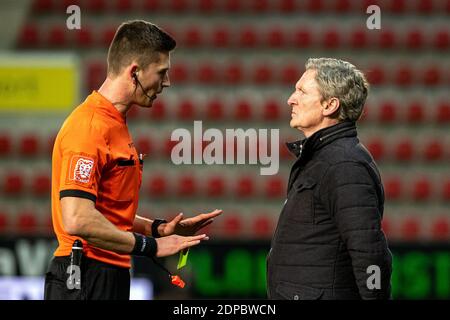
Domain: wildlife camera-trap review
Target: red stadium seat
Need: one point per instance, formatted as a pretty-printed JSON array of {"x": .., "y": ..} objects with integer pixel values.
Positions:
[
  {"x": 244, "y": 187},
  {"x": 50, "y": 143},
  {"x": 275, "y": 187},
  {"x": 207, "y": 6},
  {"x": 262, "y": 226},
  {"x": 441, "y": 228},
  {"x": 207, "y": 73},
  {"x": 393, "y": 188},
  {"x": 376, "y": 75},
  {"x": 248, "y": 37},
  {"x": 434, "y": 150},
  {"x": 13, "y": 184},
  {"x": 290, "y": 74},
  {"x": 28, "y": 145},
  {"x": 186, "y": 110},
  {"x": 84, "y": 37},
  {"x": 331, "y": 39},
  {"x": 276, "y": 37},
  {"x": 233, "y": 5},
  {"x": 424, "y": 6},
  {"x": 397, "y": 6},
  {"x": 404, "y": 150},
  {"x": 123, "y": 5},
  {"x": 376, "y": 148},
  {"x": 388, "y": 112},
  {"x": 27, "y": 222},
  {"x": 221, "y": 37},
  {"x": 215, "y": 187},
  {"x": 96, "y": 74},
  {"x": 42, "y": 5},
  {"x": 262, "y": 74},
  {"x": 179, "y": 6},
  {"x": 232, "y": 225},
  {"x": 414, "y": 39},
  {"x": 96, "y": 6},
  {"x": 107, "y": 36},
  {"x": 5, "y": 145},
  {"x": 287, "y": 6},
  {"x": 157, "y": 186},
  {"x": 179, "y": 73},
  {"x": 3, "y": 221},
  {"x": 260, "y": 6},
  {"x": 387, "y": 39},
  {"x": 358, "y": 39},
  {"x": 144, "y": 145},
  {"x": 41, "y": 185},
  {"x": 133, "y": 113},
  {"x": 158, "y": 110},
  {"x": 271, "y": 111},
  {"x": 443, "y": 112},
  {"x": 416, "y": 113},
  {"x": 421, "y": 189},
  {"x": 315, "y": 6},
  {"x": 152, "y": 5},
  {"x": 342, "y": 6},
  {"x": 446, "y": 190},
  {"x": 29, "y": 36},
  {"x": 410, "y": 228},
  {"x": 214, "y": 110},
  {"x": 432, "y": 76},
  {"x": 63, "y": 4},
  {"x": 187, "y": 186},
  {"x": 302, "y": 38},
  {"x": 404, "y": 76},
  {"x": 243, "y": 110},
  {"x": 233, "y": 73},
  {"x": 57, "y": 36},
  {"x": 192, "y": 37},
  {"x": 442, "y": 39},
  {"x": 169, "y": 144}
]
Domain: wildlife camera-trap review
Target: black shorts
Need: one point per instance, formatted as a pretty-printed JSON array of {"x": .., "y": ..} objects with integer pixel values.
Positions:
[{"x": 99, "y": 281}]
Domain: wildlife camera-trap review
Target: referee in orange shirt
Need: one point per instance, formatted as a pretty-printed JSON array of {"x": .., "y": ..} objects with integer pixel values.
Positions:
[{"x": 97, "y": 172}]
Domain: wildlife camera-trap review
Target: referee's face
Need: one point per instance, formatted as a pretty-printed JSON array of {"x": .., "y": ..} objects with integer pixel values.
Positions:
[{"x": 153, "y": 79}]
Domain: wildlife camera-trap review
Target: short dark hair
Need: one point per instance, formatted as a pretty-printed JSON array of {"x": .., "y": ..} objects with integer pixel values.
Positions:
[{"x": 137, "y": 40}]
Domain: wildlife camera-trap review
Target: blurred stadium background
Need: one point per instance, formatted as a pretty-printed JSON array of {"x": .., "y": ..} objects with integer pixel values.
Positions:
[{"x": 234, "y": 67}]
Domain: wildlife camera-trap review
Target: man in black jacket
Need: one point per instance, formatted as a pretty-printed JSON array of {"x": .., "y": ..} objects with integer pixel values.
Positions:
[{"x": 328, "y": 243}]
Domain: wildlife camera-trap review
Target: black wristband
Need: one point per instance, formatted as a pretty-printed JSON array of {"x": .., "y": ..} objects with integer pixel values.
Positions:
[
  {"x": 155, "y": 225},
  {"x": 144, "y": 246}
]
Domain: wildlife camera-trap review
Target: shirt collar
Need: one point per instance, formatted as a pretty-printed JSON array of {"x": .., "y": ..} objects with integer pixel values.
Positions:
[{"x": 106, "y": 106}]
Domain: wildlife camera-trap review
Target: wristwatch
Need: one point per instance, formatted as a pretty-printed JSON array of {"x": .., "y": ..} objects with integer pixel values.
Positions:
[{"x": 155, "y": 225}]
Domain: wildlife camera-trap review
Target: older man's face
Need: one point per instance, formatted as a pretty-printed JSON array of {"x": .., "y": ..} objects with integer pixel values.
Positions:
[{"x": 305, "y": 102}]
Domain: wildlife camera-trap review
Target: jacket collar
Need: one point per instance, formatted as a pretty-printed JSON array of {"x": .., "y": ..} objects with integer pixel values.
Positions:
[{"x": 322, "y": 137}]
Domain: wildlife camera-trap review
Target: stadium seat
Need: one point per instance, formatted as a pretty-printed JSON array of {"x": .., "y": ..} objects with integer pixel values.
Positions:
[
  {"x": 158, "y": 110},
  {"x": 397, "y": 6},
  {"x": 434, "y": 150},
  {"x": 302, "y": 38},
  {"x": 233, "y": 73},
  {"x": 168, "y": 146},
  {"x": 56, "y": 36},
  {"x": 404, "y": 150},
  {"x": 248, "y": 37},
  {"x": 63, "y": 4},
  {"x": 424, "y": 6},
  {"x": 290, "y": 74},
  {"x": 28, "y": 145},
  {"x": 29, "y": 36},
  {"x": 376, "y": 75},
  {"x": 13, "y": 184},
  {"x": 232, "y": 225},
  {"x": 446, "y": 190},
  {"x": 414, "y": 39},
  {"x": 386, "y": 226},
  {"x": 315, "y": 6},
  {"x": 145, "y": 146},
  {"x": 415, "y": 113},
  {"x": 260, "y": 6},
  {"x": 287, "y": 6},
  {"x": 179, "y": 6},
  {"x": 431, "y": 76},
  {"x": 107, "y": 36},
  {"x": 187, "y": 186},
  {"x": 4, "y": 221},
  {"x": 422, "y": 189},
  {"x": 179, "y": 73},
  {"x": 233, "y": 5},
  {"x": 207, "y": 6},
  {"x": 133, "y": 113},
  {"x": 358, "y": 38},
  {"x": 387, "y": 39},
  {"x": 441, "y": 228},
  {"x": 186, "y": 110},
  {"x": 157, "y": 186},
  {"x": 96, "y": 6},
  {"x": 207, "y": 73},
  {"x": 410, "y": 228},
  {"x": 276, "y": 37},
  {"x": 331, "y": 39},
  {"x": 275, "y": 187},
  {"x": 192, "y": 37},
  {"x": 123, "y": 5},
  {"x": 84, "y": 37},
  {"x": 393, "y": 188},
  {"x": 5, "y": 145},
  {"x": 271, "y": 111},
  {"x": 244, "y": 187},
  {"x": 404, "y": 76},
  {"x": 262, "y": 226},
  {"x": 221, "y": 37},
  {"x": 41, "y": 185},
  {"x": 214, "y": 109},
  {"x": 262, "y": 74},
  {"x": 243, "y": 110},
  {"x": 27, "y": 222},
  {"x": 443, "y": 112},
  {"x": 215, "y": 186},
  {"x": 96, "y": 73},
  {"x": 42, "y": 6},
  {"x": 442, "y": 39},
  {"x": 342, "y": 6},
  {"x": 388, "y": 112},
  {"x": 376, "y": 148}
]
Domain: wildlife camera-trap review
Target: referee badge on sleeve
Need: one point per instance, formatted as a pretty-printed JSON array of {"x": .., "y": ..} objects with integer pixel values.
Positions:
[{"x": 80, "y": 169}]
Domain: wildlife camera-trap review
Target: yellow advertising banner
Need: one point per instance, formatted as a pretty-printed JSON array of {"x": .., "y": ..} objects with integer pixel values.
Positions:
[{"x": 36, "y": 82}]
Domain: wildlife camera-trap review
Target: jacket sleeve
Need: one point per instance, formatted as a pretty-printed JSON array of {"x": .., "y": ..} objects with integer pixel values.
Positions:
[{"x": 349, "y": 193}]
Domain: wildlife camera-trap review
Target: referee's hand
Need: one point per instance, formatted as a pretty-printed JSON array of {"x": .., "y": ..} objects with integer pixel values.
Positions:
[
  {"x": 170, "y": 245},
  {"x": 188, "y": 226}
]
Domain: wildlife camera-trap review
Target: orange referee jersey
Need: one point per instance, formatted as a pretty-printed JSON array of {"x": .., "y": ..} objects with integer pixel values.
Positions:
[{"x": 94, "y": 158}]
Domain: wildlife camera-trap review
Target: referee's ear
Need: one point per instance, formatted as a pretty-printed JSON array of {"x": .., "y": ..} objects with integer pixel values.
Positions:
[{"x": 133, "y": 73}]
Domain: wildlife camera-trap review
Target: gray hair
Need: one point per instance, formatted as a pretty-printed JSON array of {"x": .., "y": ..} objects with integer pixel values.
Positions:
[{"x": 340, "y": 79}]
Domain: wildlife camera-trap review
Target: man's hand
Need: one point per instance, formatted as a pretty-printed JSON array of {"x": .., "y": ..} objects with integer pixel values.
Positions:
[
  {"x": 172, "y": 244},
  {"x": 189, "y": 226}
]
